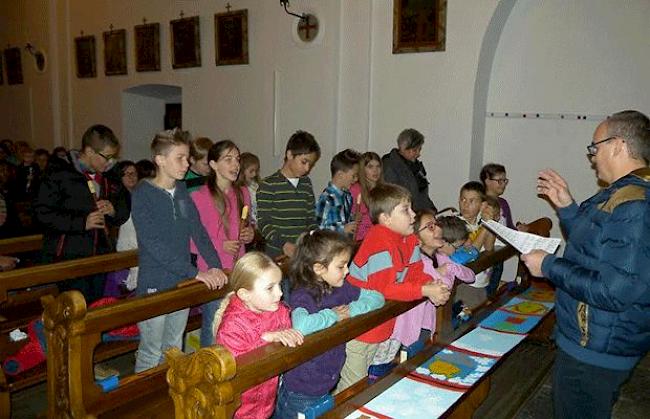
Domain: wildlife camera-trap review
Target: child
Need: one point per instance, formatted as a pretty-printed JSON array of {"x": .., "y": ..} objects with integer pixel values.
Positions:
[
  {"x": 473, "y": 208},
  {"x": 199, "y": 169},
  {"x": 388, "y": 261},
  {"x": 320, "y": 298},
  {"x": 249, "y": 176},
  {"x": 435, "y": 258},
  {"x": 251, "y": 316},
  {"x": 494, "y": 178},
  {"x": 77, "y": 205},
  {"x": 219, "y": 203},
  {"x": 334, "y": 206},
  {"x": 165, "y": 220},
  {"x": 285, "y": 200},
  {"x": 370, "y": 175}
]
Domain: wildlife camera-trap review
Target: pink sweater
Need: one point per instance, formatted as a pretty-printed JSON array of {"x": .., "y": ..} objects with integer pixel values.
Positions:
[
  {"x": 408, "y": 325},
  {"x": 365, "y": 223},
  {"x": 211, "y": 220}
]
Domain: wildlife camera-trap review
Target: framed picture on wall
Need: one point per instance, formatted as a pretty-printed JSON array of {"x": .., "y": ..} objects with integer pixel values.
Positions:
[
  {"x": 231, "y": 37},
  {"x": 185, "y": 42},
  {"x": 14, "y": 65},
  {"x": 85, "y": 55},
  {"x": 419, "y": 25},
  {"x": 147, "y": 47},
  {"x": 115, "y": 52}
]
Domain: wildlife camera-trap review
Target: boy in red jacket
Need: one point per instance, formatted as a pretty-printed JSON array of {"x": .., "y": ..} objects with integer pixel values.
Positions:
[{"x": 389, "y": 262}]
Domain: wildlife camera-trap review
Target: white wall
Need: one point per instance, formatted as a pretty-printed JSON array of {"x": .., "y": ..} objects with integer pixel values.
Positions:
[
  {"x": 587, "y": 57},
  {"x": 143, "y": 118},
  {"x": 350, "y": 90}
]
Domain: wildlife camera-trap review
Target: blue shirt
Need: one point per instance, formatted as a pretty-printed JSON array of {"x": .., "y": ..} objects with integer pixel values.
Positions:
[{"x": 334, "y": 209}]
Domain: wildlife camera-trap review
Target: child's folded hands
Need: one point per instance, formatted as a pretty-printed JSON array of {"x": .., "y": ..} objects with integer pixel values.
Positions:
[{"x": 287, "y": 337}]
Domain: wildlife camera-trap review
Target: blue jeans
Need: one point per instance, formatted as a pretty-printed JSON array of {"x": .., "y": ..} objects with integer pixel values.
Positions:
[
  {"x": 157, "y": 335},
  {"x": 289, "y": 404},
  {"x": 207, "y": 317},
  {"x": 495, "y": 278},
  {"x": 583, "y": 390}
]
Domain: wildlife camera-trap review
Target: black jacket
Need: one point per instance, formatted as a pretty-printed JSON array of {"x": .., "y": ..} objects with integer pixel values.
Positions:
[
  {"x": 62, "y": 205},
  {"x": 400, "y": 172}
]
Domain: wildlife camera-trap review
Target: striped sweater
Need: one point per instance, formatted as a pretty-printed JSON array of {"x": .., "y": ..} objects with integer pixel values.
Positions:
[{"x": 284, "y": 211}]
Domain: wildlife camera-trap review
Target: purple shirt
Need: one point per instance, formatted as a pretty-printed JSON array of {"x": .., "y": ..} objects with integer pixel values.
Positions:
[{"x": 319, "y": 375}]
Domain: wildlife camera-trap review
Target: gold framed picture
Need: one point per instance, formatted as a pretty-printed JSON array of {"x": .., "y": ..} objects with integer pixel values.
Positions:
[
  {"x": 231, "y": 37},
  {"x": 147, "y": 47},
  {"x": 419, "y": 25},
  {"x": 185, "y": 42},
  {"x": 115, "y": 52},
  {"x": 85, "y": 55}
]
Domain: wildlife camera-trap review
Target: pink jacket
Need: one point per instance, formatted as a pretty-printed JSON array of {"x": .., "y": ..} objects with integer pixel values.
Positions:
[
  {"x": 211, "y": 220},
  {"x": 241, "y": 331},
  {"x": 408, "y": 325},
  {"x": 365, "y": 223}
]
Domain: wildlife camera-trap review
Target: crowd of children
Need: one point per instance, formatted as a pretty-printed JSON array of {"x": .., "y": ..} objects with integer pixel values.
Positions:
[{"x": 197, "y": 209}]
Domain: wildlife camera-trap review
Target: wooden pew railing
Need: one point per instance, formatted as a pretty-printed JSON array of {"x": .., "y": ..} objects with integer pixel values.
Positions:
[
  {"x": 209, "y": 382},
  {"x": 23, "y": 244}
]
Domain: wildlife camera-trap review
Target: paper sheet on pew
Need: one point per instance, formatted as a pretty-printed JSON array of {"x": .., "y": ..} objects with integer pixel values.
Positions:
[{"x": 523, "y": 242}]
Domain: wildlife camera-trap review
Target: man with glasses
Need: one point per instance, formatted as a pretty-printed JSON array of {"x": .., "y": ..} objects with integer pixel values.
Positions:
[
  {"x": 77, "y": 205},
  {"x": 603, "y": 279}
]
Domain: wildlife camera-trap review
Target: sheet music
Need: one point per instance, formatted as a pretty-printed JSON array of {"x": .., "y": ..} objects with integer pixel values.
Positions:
[{"x": 523, "y": 242}]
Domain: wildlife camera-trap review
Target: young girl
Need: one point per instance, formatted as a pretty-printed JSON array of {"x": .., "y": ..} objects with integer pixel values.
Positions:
[
  {"x": 219, "y": 203},
  {"x": 369, "y": 176},
  {"x": 251, "y": 316},
  {"x": 320, "y": 298},
  {"x": 249, "y": 176},
  {"x": 165, "y": 220},
  {"x": 199, "y": 168}
]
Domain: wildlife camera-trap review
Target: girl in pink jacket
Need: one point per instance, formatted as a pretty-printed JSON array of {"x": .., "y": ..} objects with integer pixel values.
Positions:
[
  {"x": 220, "y": 203},
  {"x": 251, "y": 316}
]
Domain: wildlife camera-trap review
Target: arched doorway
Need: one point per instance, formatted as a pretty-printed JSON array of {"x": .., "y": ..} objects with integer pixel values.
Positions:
[{"x": 146, "y": 110}]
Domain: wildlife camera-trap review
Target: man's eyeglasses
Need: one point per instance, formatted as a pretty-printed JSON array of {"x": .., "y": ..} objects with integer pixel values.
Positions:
[
  {"x": 592, "y": 148},
  {"x": 501, "y": 181}
]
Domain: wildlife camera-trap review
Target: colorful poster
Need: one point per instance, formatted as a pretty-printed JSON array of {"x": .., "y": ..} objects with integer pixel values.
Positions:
[
  {"x": 454, "y": 368},
  {"x": 409, "y": 398},
  {"x": 508, "y": 322},
  {"x": 545, "y": 295},
  {"x": 488, "y": 342},
  {"x": 527, "y": 307}
]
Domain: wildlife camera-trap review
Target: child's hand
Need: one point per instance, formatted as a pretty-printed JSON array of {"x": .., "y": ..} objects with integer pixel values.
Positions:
[
  {"x": 342, "y": 312},
  {"x": 287, "y": 337},
  {"x": 438, "y": 293},
  {"x": 289, "y": 249},
  {"x": 213, "y": 278},
  {"x": 231, "y": 247},
  {"x": 247, "y": 234},
  {"x": 350, "y": 228}
]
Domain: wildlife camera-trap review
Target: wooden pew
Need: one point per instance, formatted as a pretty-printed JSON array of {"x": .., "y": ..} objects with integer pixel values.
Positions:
[
  {"x": 18, "y": 245},
  {"x": 217, "y": 393}
]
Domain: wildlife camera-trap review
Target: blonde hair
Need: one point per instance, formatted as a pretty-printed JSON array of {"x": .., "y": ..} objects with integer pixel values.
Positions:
[
  {"x": 165, "y": 140},
  {"x": 246, "y": 271}
]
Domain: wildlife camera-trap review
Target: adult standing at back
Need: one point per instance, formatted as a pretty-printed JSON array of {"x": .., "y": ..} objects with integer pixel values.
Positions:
[
  {"x": 402, "y": 167},
  {"x": 603, "y": 279}
]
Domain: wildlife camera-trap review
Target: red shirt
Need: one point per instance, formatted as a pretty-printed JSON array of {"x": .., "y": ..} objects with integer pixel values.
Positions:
[{"x": 389, "y": 263}]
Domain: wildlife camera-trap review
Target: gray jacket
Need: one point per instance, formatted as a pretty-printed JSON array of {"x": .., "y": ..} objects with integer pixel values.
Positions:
[
  {"x": 396, "y": 170},
  {"x": 164, "y": 225}
]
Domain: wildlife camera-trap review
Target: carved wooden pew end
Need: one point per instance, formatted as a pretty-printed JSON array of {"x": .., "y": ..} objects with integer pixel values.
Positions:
[{"x": 200, "y": 385}]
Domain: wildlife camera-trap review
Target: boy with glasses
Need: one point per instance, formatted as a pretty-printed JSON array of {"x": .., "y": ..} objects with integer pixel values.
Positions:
[{"x": 76, "y": 204}]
